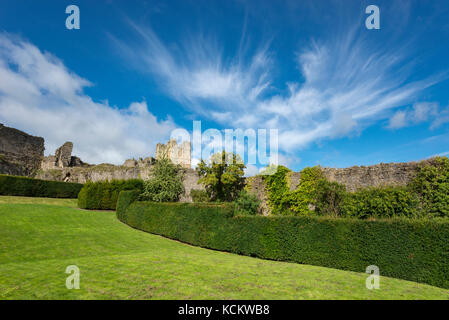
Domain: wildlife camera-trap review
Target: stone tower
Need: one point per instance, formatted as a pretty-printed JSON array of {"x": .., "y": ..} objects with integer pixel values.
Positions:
[{"x": 178, "y": 154}]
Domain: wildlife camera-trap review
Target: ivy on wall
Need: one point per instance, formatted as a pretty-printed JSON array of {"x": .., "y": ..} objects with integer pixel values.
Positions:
[
  {"x": 278, "y": 190},
  {"x": 303, "y": 200},
  {"x": 431, "y": 184},
  {"x": 427, "y": 195},
  {"x": 297, "y": 202}
]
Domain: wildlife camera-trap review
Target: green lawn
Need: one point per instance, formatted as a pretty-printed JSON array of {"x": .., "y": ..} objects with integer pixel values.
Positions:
[{"x": 39, "y": 238}]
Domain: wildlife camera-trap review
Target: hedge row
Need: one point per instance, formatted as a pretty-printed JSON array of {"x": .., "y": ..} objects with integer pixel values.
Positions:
[
  {"x": 103, "y": 195},
  {"x": 415, "y": 250},
  {"x": 28, "y": 187}
]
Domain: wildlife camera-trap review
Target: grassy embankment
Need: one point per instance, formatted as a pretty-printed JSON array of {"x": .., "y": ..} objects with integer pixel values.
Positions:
[{"x": 39, "y": 238}]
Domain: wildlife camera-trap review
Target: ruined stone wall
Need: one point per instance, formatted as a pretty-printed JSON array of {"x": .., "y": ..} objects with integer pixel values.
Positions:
[
  {"x": 178, "y": 154},
  {"x": 358, "y": 177},
  {"x": 63, "y": 155},
  {"x": 23, "y": 153},
  {"x": 132, "y": 169},
  {"x": 62, "y": 159},
  {"x": 20, "y": 153},
  {"x": 96, "y": 173},
  {"x": 190, "y": 183},
  {"x": 354, "y": 178},
  {"x": 256, "y": 186}
]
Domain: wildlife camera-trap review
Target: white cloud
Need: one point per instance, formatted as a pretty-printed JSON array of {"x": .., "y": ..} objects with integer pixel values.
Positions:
[
  {"x": 251, "y": 170},
  {"x": 421, "y": 112},
  {"x": 39, "y": 95},
  {"x": 398, "y": 120},
  {"x": 346, "y": 84},
  {"x": 441, "y": 118},
  {"x": 196, "y": 74}
]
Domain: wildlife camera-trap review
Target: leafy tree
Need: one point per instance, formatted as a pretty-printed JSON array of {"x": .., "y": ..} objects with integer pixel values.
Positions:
[
  {"x": 222, "y": 176},
  {"x": 166, "y": 184}
]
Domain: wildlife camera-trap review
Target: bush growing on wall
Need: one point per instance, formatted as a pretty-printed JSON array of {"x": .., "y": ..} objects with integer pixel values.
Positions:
[
  {"x": 247, "y": 204},
  {"x": 166, "y": 183},
  {"x": 432, "y": 186},
  {"x": 278, "y": 190},
  {"x": 303, "y": 200},
  {"x": 199, "y": 195},
  {"x": 330, "y": 197},
  {"x": 28, "y": 187},
  {"x": 383, "y": 202},
  {"x": 103, "y": 195},
  {"x": 409, "y": 249},
  {"x": 426, "y": 195}
]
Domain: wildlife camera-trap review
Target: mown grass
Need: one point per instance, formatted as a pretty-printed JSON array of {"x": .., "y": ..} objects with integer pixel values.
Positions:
[{"x": 39, "y": 238}]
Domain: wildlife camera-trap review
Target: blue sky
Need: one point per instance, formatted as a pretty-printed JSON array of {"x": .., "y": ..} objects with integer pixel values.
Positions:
[{"x": 339, "y": 94}]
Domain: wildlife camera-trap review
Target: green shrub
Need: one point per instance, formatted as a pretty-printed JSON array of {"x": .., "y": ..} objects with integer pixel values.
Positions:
[
  {"x": 166, "y": 184},
  {"x": 28, "y": 187},
  {"x": 103, "y": 195},
  {"x": 330, "y": 197},
  {"x": 199, "y": 195},
  {"x": 247, "y": 203},
  {"x": 410, "y": 249},
  {"x": 432, "y": 186},
  {"x": 384, "y": 202}
]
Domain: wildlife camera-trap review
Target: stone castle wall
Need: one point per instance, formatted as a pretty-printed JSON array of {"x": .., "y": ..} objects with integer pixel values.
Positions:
[
  {"x": 132, "y": 170},
  {"x": 358, "y": 177},
  {"x": 354, "y": 178},
  {"x": 64, "y": 167},
  {"x": 20, "y": 153}
]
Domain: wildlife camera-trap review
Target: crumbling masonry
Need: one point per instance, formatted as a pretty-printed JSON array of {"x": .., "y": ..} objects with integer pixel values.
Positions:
[{"x": 22, "y": 154}]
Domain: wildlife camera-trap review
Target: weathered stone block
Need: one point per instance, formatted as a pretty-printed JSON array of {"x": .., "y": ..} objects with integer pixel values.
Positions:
[
  {"x": 20, "y": 153},
  {"x": 64, "y": 155}
]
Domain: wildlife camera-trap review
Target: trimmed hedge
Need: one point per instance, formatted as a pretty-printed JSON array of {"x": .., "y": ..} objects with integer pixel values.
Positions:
[
  {"x": 124, "y": 201},
  {"x": 103, "y": 195},
  {"x": 28, "y": 187},
  {"x": 415, "y": 250}
]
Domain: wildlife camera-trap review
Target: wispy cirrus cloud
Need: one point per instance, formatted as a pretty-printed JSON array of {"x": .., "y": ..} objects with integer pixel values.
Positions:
[
  {"x": 40, "y": 95},
  {"x": 197, "y": 74},
  {"x": 344, "y": 85}
]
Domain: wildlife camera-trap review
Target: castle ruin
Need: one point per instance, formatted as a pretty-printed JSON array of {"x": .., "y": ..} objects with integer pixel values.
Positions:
[
  {"x": 20, "y": 153},
  {"x": 23, "y": 154},
  {"x": 178, "y": 154}
]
